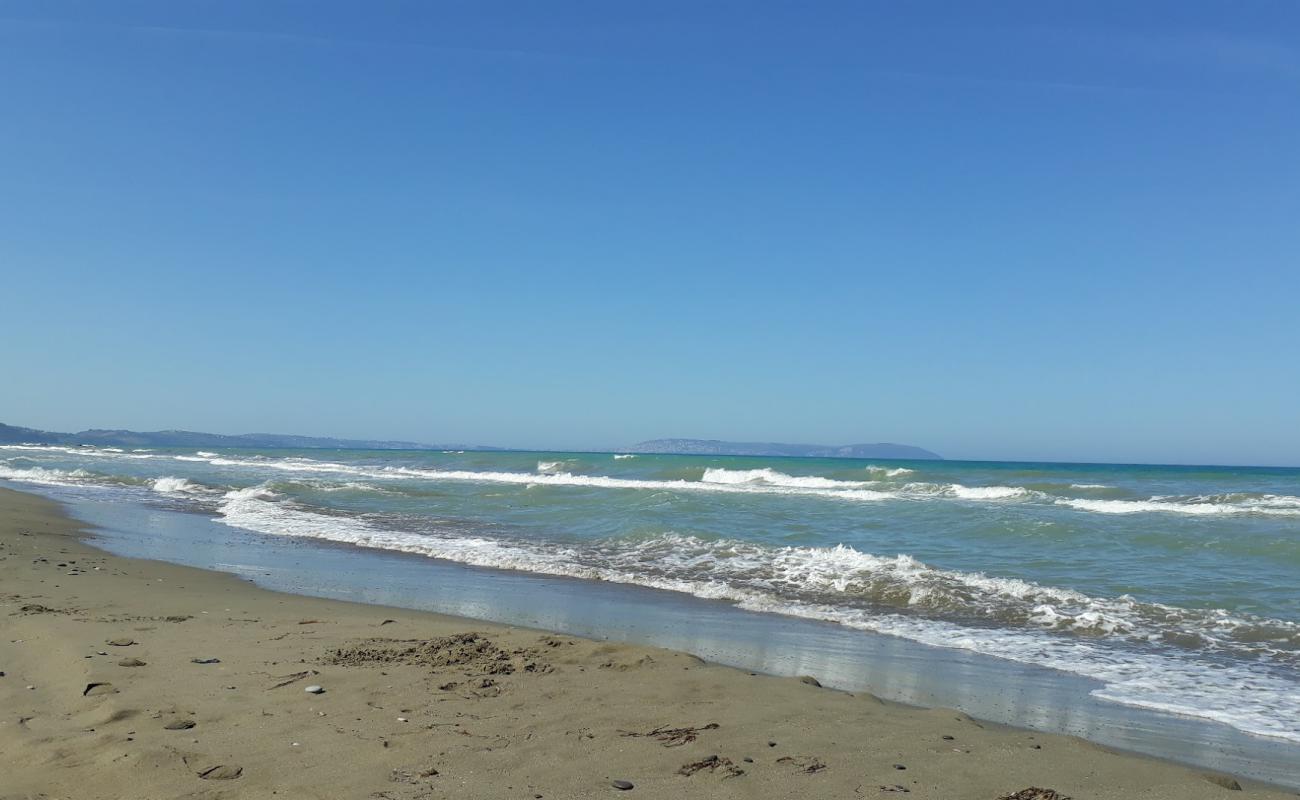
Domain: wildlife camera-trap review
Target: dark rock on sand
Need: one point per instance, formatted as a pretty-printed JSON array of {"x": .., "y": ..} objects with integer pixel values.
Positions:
[
  {"x": 205, "y": 661},
  {"x": 621, "y": 785},
  {"x": 1035, "y": 793},
  {"x": 130, "y": 662},
  {"x": 1226, "y": 781},
  {"x": 179, "y": 725},
  {"x": 222, "y": 772},
  {"x": 122, "y": 642}
]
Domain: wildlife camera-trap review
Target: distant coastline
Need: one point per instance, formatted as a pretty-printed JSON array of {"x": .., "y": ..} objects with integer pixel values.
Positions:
[
  {"x": 10, "y": 434},
  {"x": 99, "y": 437}
]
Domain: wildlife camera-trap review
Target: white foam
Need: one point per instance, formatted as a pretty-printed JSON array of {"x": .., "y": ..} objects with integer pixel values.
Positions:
[
  {"x": 760, "y": 579},
  {"x": 551, "y": 466},
  {"x": 889, "y": 472},
  {"x": 1089, "y": 486},
  {"x": 172, "y": 485},
  {"x": 785, "y": 484},
  {"x": 48, "y": 477},
  {"x": 987, "y": 492},
  {"x": 621, "y": 456},
  {"x": 1178, "y": 507},
  {"x": 81, "y": 450},
  {"x": 770, "y": 477}
]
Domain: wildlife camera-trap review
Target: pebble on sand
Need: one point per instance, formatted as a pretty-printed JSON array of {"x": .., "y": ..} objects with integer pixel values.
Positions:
[
  {"x": 314, "y": 689},
  {"x": 222, "y": 772},
  {"x": 123, "y": 642},
  {"x": 179, "y": 725},
  {"x": 622, "y": 786},
  {"x": 205, "y": 661},
  {"x": 130, "y": 662}
]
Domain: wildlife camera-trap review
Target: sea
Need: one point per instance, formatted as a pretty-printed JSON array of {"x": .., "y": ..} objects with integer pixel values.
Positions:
[{"x": 1174, "y": 589}]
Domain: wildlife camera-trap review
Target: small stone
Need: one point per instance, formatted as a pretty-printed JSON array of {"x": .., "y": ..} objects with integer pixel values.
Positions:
[
  {"x": 948, "y": 738},
  {"x": 314, "y": 689},
  {"x": 622, "y": 786},
  {"x": 124, "y": 642},
  {"x": 179, "y": 725},
  {"x": 130, "y": 662},
  {"x": 747, "y": 760},
  {"x": 205, "y": 661},
  {"x": 771, "y": 744},
  {"x": 899, "y": 766},
  {"x": 222, "y": 772},
  {"x": 1225, "y": 781},
  {"x": 401, "y": 719}
]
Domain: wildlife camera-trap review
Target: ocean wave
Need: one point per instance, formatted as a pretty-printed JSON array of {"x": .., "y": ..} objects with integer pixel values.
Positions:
[
  {"x": 172, "y": 485},
  {"x": 1060, "y": 628},
  {"x": 889, "y": 472},
  {"x": 552, "y": 466},
  {"x": 48, "y": 477},
  {"x": 621, "y": 456},
  {"x": 987, "y": 492},
  {"x": 770, "y": 477},
  {"x": 82, "y": 450},
  {"x": 843, "y": 489},
  {"x": 1173, "y": 506}
]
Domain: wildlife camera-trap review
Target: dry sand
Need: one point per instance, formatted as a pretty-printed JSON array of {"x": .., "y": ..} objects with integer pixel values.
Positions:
[{"x": 101, "y": 698}]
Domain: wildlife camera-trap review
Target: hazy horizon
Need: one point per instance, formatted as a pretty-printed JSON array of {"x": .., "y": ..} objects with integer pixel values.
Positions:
[{"x": 615, "y": 447}]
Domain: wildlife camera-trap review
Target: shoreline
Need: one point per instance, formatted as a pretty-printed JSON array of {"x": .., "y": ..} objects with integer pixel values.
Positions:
[{"x": 431, "y": 712}]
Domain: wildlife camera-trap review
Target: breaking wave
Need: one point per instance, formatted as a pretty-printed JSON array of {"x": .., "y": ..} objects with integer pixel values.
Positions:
[
  {"x": 171, "y": 485},
  {"x": 1003, "y": 617}
]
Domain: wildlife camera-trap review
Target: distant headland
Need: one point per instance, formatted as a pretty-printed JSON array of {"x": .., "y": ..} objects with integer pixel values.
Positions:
[{"x": 99, "y": 437}]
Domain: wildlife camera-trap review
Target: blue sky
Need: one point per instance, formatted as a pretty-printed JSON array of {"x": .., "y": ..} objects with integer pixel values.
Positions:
[{"x": 1009, "y": 230}]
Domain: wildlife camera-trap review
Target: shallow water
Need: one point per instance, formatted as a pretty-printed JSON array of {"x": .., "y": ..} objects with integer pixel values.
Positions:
[{"x": 1167, "y": 588}]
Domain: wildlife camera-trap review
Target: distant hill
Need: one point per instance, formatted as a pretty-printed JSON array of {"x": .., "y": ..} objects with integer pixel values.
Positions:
[
  {"x": 10, "y": 434},
  {"x": 713, "y": 447}
]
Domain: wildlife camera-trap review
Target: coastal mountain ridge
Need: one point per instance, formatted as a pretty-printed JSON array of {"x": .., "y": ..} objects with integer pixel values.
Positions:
[
  {"x": 122, "y": 438},
  {"x": 714, "y": 447},
  {"x": 12, "y": 434}
]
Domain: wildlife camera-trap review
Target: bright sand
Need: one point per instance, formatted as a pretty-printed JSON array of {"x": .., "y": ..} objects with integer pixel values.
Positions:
[{"x": 413, "y": 707}]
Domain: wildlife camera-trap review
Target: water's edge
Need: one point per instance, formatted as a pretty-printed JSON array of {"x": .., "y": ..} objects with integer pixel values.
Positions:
[{"x": 896, "y": 669}]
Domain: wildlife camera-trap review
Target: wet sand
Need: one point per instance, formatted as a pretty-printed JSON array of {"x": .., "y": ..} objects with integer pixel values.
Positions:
[{"x": 419, "y": 705}]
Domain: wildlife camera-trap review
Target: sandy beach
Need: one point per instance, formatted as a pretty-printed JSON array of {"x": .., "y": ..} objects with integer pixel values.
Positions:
[{"x": 130, "y": 678}]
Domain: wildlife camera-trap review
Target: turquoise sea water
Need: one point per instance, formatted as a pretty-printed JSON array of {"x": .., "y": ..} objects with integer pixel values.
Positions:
[{"x": 1174, "y": 587}]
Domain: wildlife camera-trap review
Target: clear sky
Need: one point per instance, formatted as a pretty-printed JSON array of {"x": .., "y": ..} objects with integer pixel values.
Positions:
[{"x": 1062, "y": 231}]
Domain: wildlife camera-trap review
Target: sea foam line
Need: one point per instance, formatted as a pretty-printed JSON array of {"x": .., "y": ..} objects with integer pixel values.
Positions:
[{"x": 1186, "y": 687}]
